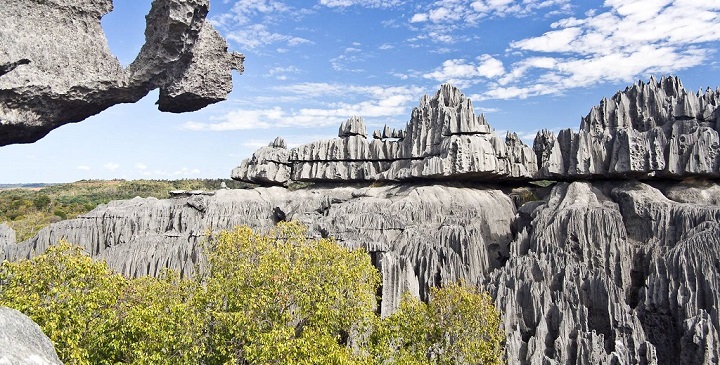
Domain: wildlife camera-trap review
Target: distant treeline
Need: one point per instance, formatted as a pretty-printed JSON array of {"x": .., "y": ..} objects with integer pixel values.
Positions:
[{"x": 27, "y": 211}]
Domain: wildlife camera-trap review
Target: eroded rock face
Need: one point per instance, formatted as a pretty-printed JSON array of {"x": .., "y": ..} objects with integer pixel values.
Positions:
[
  {"x": 56, "y": 67},
  {"x": 419, "y": 236},
  {"x": 604, "y": 272},
  {"x": 650, "y": 130},
  {"x": 7, "y": 237},
  {"x": 268, "y": 166},
  {"x": 444, "y": 139},
  {"x": 654, "y": 129},
  {"x": 23, "y": 342}
]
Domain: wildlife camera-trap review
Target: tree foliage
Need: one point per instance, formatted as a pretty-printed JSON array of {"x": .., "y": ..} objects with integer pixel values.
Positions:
[
  {"x": 458, "y": 326},
  {"x": 72, "y": 298},
  {"x": 272, "y": 298},
  {"x": 281, "y": 298}
]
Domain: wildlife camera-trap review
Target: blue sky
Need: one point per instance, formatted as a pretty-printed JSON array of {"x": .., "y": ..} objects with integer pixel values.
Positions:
[{"x": 527, "y": 64}]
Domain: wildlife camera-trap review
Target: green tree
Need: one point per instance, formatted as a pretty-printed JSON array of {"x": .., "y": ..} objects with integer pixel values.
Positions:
[
  {"x": 274, "y": 298},
  {"x": 72, "y": 297},
  {"x": 280, "y": 298},
  {"x": 160, "y": 321},
  {"x": 458, "y": 326}
]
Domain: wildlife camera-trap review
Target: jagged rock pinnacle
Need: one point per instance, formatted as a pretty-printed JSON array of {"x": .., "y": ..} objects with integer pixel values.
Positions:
[{"x": 443, "y": 139}]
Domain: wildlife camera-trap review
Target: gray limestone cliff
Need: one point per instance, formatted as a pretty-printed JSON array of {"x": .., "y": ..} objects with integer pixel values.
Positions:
[
  {"x": 419, "y": 236},
  {"x": 23, "y": 342},
  {"x": 56, "y": 67},
  {"x": 654, "y": 129},
  {"x": 650, "y": 130},
  {"x": 444, "y": 139},
  {"x": 604, "y": 272}
]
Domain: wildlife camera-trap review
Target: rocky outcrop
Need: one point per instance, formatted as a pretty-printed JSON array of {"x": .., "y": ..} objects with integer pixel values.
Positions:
[
  {"x": 654, "y": 129},
  {"x": 56, "y": 67},
  {"x": 7, "y": 237},
  {"x": 650, "y": 130},
  {"x": 419, "y": 236},
  {"x": 268, "y": 166},
  {"x": 587, "y": 273},
  {"x": 444, "y": 139},
  {"x": 611, "y": 271},
  {"x": 23, "y": 342},
  {"x": 564, "y": 289}
]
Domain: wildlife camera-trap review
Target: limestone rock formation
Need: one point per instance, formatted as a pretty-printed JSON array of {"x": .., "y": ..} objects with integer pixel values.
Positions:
[
  {"x": 23, "y": 342},
  {"x": 419, "y": 236},
  {"x": 443, "y": 139},
  {"x": 268, "y": 166},
  {"x": 7, "y": 237},
  {"x": 610, "y": 271},
  {"x": 602, "y": 272},
  {"x": 654, "y": 129},
  {"x": 56, "y": 67}
]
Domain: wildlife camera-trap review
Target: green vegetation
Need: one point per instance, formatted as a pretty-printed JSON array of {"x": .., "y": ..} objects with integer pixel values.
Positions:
[
  {"x": 275, "y": 298},
  {"x": 27, "y": 211}
]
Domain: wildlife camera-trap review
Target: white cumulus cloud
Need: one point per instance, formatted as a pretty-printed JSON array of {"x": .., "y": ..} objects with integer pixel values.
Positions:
[
  {"x": 376, "y": 102},
  {"x": 620, "y": 42}
]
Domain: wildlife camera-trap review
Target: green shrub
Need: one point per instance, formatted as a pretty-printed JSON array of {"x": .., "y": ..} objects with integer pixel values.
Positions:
[{"x": 274, "y": 298}]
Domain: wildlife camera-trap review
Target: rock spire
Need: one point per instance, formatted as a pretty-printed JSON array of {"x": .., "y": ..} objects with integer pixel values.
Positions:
[{"x": 444, "y": 139}]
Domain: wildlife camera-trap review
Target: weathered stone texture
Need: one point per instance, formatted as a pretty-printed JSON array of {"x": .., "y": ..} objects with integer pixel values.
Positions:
[
  {"x": 23, "y": 342},
  {"x": 443, "y": 139},
  {"x": 56, "y": 67},
  {"x": 592, "y": 273},
  {"x": 421, "y": 236},
  {"x": 654, "y": 129}
]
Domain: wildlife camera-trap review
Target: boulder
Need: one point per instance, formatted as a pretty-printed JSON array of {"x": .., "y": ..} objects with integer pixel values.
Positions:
[
  {"x": 23, "y": 342},
  {"x": 56, "y": 67}
]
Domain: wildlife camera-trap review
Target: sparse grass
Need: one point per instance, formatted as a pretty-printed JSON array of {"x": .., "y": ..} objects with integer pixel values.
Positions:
[{"x": 29, "y": 210}]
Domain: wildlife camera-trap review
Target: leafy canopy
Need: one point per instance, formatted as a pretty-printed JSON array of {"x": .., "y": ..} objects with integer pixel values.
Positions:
[{"x": 273, "y": 298}]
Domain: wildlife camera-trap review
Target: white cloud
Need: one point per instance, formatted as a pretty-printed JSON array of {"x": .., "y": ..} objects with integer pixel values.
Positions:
[
  {"x": 246, "y": 11},
  {"x": 257, "y": 35},
  {"x": 419, "y": 18},
  {"x": 462, "y": 73},
  {"x": 347, "y": 60},
  {"x": 281, "y": 73},
  {"x": 378, "y": 102},
  {"x": 452, "y": 13},
  {"x": 440, "y": 21},
  {"x": 239, "y": 120},
  {"x": 386, "y": 46},
  {"x": 621, "y": 42},
  {"x": 141, "y": 166},
  {"x": 83, "y": 167},
  {"x": 363, "y": 3},
  {"x": 111, "y": 166}
]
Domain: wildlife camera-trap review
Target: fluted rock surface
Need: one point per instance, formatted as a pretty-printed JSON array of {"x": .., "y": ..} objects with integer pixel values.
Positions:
[
  {"x": 56, "y": 67},
  {"x": 23, "y": 342},
  {"x": 443, "y": 139},
  {"x": 563, "y": 291},
  {"x": 601, "y": 272},
  {"x": 7, "y": 237},
  {"x": 268, "y": 166},
  {"x": 654, "y": 129},
  {"x": 419, "y": 236},
  {"x": 613, "y": 273},
  {"x": 650, "y": 130}
]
